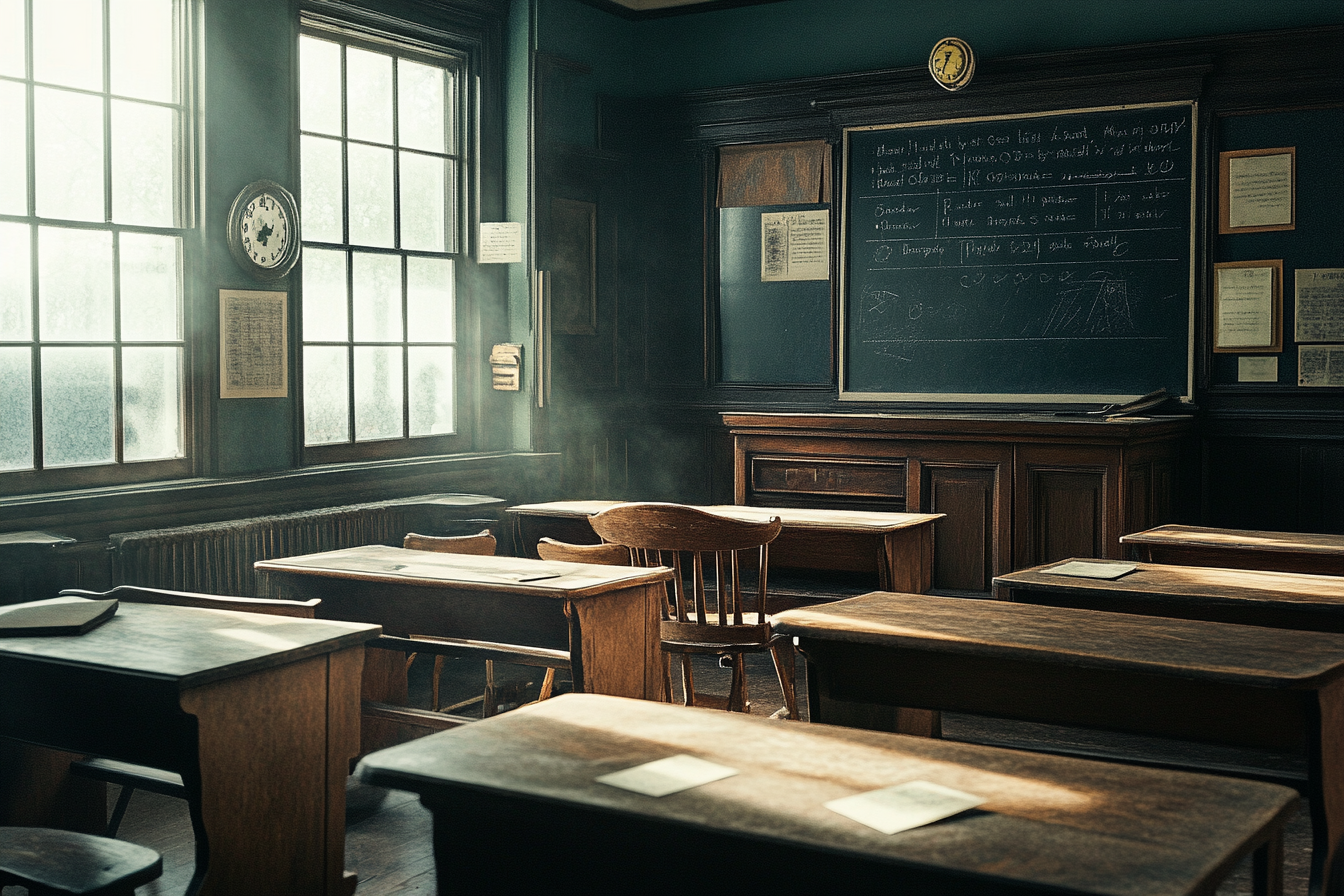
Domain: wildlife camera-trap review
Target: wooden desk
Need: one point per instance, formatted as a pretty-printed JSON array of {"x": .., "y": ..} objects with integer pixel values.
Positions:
[
  {"x": 1193, "y": 680},
  {"x": 605, "y": 616},
  {"x": 896, "y": 547},
  {"x": 1050, "y": 824},
  {"x": 1243, "y": 596},
  {"x": 1239, "y": 549},
  {"x": 259, "y": 714}
]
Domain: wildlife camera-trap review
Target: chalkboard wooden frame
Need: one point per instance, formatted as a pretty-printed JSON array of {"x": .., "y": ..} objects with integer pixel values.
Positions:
[{"x": 972, "y": 353}]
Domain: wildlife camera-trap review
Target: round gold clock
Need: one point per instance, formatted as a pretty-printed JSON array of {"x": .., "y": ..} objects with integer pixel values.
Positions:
[
  {"x": 263, "y": 230},
  {"x": 952, "y": 63}
]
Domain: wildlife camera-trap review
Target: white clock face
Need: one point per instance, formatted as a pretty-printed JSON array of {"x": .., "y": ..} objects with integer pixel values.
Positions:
[{"x": 264, "y": 231}]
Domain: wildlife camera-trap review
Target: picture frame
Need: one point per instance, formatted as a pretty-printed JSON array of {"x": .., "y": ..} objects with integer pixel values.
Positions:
[
  {"x": 1257, "y": 190},
  {"x": 1248, "y": 306},
  {"x": 253, "y": 343}
]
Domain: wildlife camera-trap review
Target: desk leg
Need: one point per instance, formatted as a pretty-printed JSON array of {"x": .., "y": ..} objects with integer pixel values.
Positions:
[
  {"x": 907, "y": 560},
  {"x": 614, "y": 642},
  {"x": 1327, "y": 798},
  {"x": 274, "y": 752}
]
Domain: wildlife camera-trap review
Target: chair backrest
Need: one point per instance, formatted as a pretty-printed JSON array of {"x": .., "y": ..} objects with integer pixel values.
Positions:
[
  {"x": 134, "y": 594},
  {"x": 607, "y": 554},
  {"x": 480, "y": 543},
  {"x": 695, "y": 542}
]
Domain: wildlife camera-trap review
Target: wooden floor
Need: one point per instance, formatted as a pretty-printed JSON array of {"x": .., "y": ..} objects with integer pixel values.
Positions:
[{"x": 388, "y": 832}]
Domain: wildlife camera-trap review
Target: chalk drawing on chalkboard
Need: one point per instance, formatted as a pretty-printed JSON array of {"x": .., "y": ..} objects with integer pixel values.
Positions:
[{"x": 1097, "y": 306}]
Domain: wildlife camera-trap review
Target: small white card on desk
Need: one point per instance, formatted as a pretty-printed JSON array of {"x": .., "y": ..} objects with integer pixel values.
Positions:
[
  {"x": 905, "y": 806},
  {"x": 664, "y": 776},
  {"x": 1088, "y": 570}
]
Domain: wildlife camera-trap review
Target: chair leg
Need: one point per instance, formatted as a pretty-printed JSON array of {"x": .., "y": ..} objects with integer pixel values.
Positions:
[
  {"x": 737, "y": 689},
  {"x": 490, "y": 700},
  {"x": 547, "y": 683},
  {"x": 667, "y": 676},
  {"x": 434, "y": 683},
  {"x": 783, "y": 654},
  {"x": 687, "y": 681},
  {"x": 119, "y": 810}
]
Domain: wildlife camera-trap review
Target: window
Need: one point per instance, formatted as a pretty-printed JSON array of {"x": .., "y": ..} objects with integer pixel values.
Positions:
[
  {"x": 93, "y": 207},
  {"x": 381, "y": 130}
]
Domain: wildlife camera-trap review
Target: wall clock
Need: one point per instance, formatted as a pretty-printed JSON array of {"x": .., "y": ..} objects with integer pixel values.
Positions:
[
  {"x": 263, "y": 230},
  {"x": 952, "y": 63}
]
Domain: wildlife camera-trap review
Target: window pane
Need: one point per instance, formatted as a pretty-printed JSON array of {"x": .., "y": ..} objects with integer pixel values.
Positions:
[
  {"x": 431, "y": 393},
  {"x": 16, "y": 409},
  {"x": 16, "y": 296},
  {"x": 370, "y": 196},
  {"x": 420, "y": 106},
  {"x": 142, "y": 49},
  {"x": 429, "y": 299},
  {"x": 143, "y": 138},
  {"x": 453, "y": 208},
  {"x": 74, "y": 270},
  {"x": 324, "y": 297},
  {"x": 151, "y": 403},
  {"x": 323, "y": 193},
  {"x": 12, "y": 32},
  {"x": 319, "y": 86},
  {"x": 377, "y": 298},
  {"x": 368, "y": 95},
  {"x": 69, "y": 154},
  {"x": 326, "y": 395},
  {"x": 151, "y": 278},
  {"x": 68, "y": 43},
  {"x": 77, "y": 410},
  {"x": 378, "y": 393},
  {"x": 422, "y": 202},
  {"x": 13, "y": 149}
]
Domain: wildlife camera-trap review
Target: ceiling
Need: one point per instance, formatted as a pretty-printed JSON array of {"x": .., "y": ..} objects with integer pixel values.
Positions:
[{"x": 649, "y": 8}]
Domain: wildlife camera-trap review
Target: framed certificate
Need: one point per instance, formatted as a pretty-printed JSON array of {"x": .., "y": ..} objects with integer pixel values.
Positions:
[
  {"x": 1257, "y": 190},
  {"x": 1248, "y": 306}
]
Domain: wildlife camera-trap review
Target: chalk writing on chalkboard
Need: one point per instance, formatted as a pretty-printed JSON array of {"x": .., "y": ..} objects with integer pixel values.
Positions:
[{"x": 1044, "y": 257}]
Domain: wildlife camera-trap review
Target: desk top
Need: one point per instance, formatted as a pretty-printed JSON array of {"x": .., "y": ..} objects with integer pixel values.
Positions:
[
  {"x": 1239, "y": 539},
  {"x": 380, "y": 563},
  {"x": 1048, "y": 821},
  {"x": 792, "y": 517},
  {"x": 187, "y": 646},
  {"x": 1210, "y": 651}
]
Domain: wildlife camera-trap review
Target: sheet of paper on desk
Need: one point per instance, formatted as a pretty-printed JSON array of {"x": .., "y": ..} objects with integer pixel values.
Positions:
[
  {"x": 664, "y": 776},
  {"x": 1086, "y": 570},
  {"x": 905, "y": 806},
  {"x": 56, "y": 616}
]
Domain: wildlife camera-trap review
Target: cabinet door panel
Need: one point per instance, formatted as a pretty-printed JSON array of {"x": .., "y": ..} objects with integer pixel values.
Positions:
[{"x": 964, "y": 556}]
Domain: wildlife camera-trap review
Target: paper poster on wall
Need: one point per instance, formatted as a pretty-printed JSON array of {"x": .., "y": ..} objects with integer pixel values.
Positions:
[
  {"x": 796, "y": 245},
  {"x": 1256, "y": 190},
  {"x": 1246, "y": 306},
  {"x": 253, "y": 344},
  {"x": 1319, "y": 305},
  {"x": 1320, "y": 365},
  {"x": 1258, "y": 369},
  {"x": 501, "y": 242}
]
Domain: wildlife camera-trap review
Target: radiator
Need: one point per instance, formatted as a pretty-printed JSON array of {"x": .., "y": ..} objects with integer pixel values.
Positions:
[{"x": 217, "y": 558}]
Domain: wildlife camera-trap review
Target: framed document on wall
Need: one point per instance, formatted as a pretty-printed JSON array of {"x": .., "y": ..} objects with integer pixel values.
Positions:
[
  {"x": 1257, "y": 190},
  {"x": 1248, "y": 306}
]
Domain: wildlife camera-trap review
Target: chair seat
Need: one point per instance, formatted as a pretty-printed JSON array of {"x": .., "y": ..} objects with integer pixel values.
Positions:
[{"x": 46, "y": 860}]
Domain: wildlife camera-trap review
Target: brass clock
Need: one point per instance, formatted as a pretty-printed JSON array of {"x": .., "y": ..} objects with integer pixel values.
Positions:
[
  {"x": 952, "y": 63},
  {"x": 263, "y": 230}
]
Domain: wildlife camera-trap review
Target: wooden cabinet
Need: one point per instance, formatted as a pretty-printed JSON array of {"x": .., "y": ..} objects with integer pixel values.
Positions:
[{"x": 1017, "y": 490}]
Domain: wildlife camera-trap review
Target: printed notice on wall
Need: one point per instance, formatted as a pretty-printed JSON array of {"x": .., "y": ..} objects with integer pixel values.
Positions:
[
  {"x": 1258, "y": 369},
  {"x": 1320, "y": 365},
  {"x": 1260, "y": 190},
  {"x": 1319, "y": 305},
  {"x": 253, "y": 344},
  {"x": 501, "y": 242},
  {"x": 796, "y": 245},
  {"x": 1245, "y": 307}
]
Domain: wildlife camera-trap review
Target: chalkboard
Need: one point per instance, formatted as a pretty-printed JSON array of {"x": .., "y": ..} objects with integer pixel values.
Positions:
[{"x": 1045, "y": 258}]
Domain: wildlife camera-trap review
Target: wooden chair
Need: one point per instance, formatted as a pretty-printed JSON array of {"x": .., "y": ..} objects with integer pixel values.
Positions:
[
  {"x": 480, "y": 544},
  {"x": 606, "y": 554},
  {"x": 696, "y": 543},
  {"x": 131, "y": 777},
  {"x": 50, "y": 862}
]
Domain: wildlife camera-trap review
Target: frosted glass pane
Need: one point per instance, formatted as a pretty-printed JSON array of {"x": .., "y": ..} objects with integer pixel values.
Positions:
[
  {"x": 324, "y": 297},
  {"x": 370, "y": 196},
  {"x": 319, "y": 86},
  {"x": 378, "y": 393},
  {"x": 422, "y": 180},
  {"x": 377, "y": 297},
  {"x": 151, "y": 403},
  {"x": 12, "y": 32},
  {"x": 151, "y": 286},
  {"x": 420, "y": 106},
  {"x": 450, "y": 237},
  {"x": 323, "y": 193},
  {"x": 326, "y": 396},
  {"x": 16, "y": 296},
  {"x": 13, "y": 149},
  {"x": 143, "y": 46},
  {"x": 430, "y": 308},
  {"x": 74, "y": 277},
  {"x": 143, "y": 164},
  {"x": 69, "y": 154},
  {"x": 16, "y": 409},
  {"x": 68, "y": 43},
  {"x": 77, "y": 413},
  {"x": 431, "y": 392},
  {"x": 368, "y": 95}
]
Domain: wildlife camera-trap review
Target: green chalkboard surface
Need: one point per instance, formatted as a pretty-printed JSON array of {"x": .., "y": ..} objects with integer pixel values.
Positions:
[{"x": 1045, "y": 258}]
